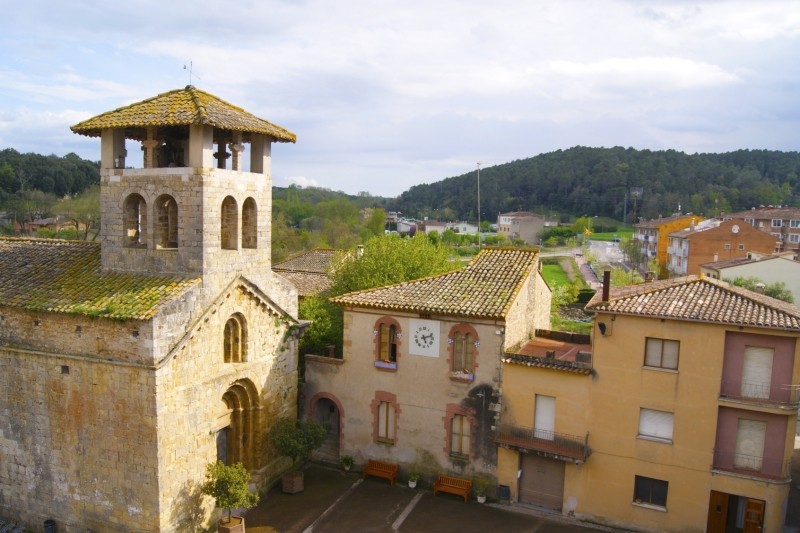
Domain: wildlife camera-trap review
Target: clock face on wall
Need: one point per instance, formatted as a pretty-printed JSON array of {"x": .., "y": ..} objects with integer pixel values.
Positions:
[
  {"x": 735, "y": 228},
  {"x": 424, "y": 337}
]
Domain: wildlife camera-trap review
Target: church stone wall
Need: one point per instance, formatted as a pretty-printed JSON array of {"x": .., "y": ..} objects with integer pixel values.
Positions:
[
  {"x": 76, "y": 442},
  {"x": 191, "y": 386}
]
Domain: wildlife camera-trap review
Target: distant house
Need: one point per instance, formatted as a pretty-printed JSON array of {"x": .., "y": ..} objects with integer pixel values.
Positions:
[
  {"x": 464, "y": 228},
  {"x": 309, "y": 271},
  {"x": 433, "y": 225},
  {"x": 713, "y": 241},
  {"x": 522, "y": 225},
  {"x": 773, "y": 268},
  {"x": 781, "y": 222}
]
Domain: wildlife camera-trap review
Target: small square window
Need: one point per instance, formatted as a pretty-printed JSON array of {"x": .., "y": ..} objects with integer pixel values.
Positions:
[
  {"x": 656, "y": 424},
  {"x": 650, "y": 491},
  {"x": 741, "y": 247},
  {"x": 727, "y": 246},
  {"x": 661, "y": 353}
]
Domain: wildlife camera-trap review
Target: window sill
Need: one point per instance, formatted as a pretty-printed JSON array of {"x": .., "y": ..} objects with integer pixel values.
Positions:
[
  {"x": 654, "y": 439},
  {"x": 462, "y": 377},
  {"x": 385, "y": 366},
  {"x": 661, "y": 369},
  {"x": 651, "y": 506},
  {"x": 385, "y": 442}
]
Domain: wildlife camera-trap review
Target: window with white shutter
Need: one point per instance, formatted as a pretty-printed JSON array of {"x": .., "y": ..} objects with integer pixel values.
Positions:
[{"x": 656, "y": 425}]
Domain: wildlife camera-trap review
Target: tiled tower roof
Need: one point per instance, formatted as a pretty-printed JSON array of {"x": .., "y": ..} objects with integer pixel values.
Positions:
[{"x": 182, "y": 107}]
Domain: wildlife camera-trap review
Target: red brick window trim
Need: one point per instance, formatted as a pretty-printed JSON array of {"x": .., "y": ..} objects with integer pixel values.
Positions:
[
  {"x": 385, "y": 418},
  {"x": 462, "y": 352},
  {"x": 459, "y": 423},
  {"x": 386, "y": 349}
]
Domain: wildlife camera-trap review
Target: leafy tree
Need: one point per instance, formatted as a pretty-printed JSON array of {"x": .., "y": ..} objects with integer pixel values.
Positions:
[
  {"x": 776, "y": 290},
  {"x": 386, "y": 260},
  {"x": 326, "y": 325},
  {"x": 228, "y": 485},
  {"x": 296, "y": 438},
  {"x": 84, "y": 211}
]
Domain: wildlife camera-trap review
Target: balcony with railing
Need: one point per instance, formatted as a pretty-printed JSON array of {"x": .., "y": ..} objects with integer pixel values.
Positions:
[
  {"x": 763, "y": 393},
  {"x": 549, "y": 443},
  {"x": 753, "y": 466}
]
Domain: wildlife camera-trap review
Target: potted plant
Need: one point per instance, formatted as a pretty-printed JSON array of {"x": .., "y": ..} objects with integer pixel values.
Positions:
[
  {"x": 413, "y": 477},
  {"x": 296, "y": 439},
  {"x": 480, "y": 490},
  {"x": 228, "y": 485},
  {"x": 347, "y": 462}
]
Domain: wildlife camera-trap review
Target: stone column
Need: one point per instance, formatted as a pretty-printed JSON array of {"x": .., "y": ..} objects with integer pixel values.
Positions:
[
  {"x": 221, "y": 155},
  {"x": 149, "y": 146},
  {"x": 236, "y": 149}
]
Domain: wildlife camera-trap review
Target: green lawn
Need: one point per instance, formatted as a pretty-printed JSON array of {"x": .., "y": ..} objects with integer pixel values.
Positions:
[{"x": 554, "y": 276}]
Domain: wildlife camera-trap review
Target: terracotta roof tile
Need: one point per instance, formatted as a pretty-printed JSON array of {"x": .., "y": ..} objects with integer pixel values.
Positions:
[
  {"x": 182, "y": 107},
  {"x": 485, "y": 288},
  {"x": 541, "y": 362},
  {"x": 317, "y": 261},
  {"x": 306, "y": 283},
  {"x": 699, "y": 299},
  {"x": 65, "y": 277}
]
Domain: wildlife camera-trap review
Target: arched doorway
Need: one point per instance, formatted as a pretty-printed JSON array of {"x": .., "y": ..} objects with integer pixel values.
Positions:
[
  {"x": 327, "y": 411},
  {"x": 236, "y": 443}
]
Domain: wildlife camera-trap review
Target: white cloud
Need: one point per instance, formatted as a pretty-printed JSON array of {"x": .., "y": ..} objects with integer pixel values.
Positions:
[{"x": 383, "y": 95}]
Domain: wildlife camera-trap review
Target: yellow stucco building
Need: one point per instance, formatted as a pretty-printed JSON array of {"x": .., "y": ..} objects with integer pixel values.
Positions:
[{"x": 688, "y": 411}]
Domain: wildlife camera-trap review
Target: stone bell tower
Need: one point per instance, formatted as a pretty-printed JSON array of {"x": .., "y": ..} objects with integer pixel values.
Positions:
[{"x": 192, "y": 209}]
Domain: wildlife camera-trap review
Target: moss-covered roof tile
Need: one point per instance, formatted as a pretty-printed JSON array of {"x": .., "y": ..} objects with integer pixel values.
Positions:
[
  {"x": 486, "y": 288},
  {"x": 65, "y": 277}
]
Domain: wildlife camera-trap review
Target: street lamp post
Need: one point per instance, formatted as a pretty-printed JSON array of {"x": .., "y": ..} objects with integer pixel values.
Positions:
[{"x": 479, "y": 205}]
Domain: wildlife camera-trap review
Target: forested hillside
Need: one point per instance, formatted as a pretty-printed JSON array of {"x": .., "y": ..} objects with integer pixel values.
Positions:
[
  {"x": 60, "y": 176},
  {"x": 595, "y": 181}
]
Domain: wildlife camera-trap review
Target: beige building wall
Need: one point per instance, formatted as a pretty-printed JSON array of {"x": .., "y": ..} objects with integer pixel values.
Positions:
[
  {"x": 530, "y": 310},
  {"x": 423, "y": 389}
]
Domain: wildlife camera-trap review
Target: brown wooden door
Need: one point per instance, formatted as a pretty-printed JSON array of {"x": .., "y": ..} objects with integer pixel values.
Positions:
[
  {"x": 542, "y": 481},
  {"x": 754, "y": 516},
  {"x": 717, "y": 512}
]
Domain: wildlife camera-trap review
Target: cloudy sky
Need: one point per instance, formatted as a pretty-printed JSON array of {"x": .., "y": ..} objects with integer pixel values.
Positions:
[{"x": 387, "y": 94}]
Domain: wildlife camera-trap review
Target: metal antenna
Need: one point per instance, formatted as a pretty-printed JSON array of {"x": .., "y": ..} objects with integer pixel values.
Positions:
[
  {"x": 479, "y": 206},
  {"x": 189, "y": 68}
]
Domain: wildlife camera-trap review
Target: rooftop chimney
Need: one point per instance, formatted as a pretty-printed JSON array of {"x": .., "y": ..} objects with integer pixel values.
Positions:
[{"x": 606, "y": 284}]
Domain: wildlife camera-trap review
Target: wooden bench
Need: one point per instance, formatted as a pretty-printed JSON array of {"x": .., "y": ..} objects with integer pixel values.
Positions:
[
  {"x": 381, "y": 469},
  {"x": 453, "y": 485}
]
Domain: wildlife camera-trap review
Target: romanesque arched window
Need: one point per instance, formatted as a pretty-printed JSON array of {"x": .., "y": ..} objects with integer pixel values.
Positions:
[
  {"x": 230, "y": 224},
  {"x": 166, "y": 222},
  {"x": 249, "y": 224},
  {"x": 135, "y": 221},
  {"x": 235, "y": 339}
]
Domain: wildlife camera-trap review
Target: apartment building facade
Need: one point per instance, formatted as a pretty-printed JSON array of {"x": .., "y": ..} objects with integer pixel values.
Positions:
[
  {"x": 688, "y": 411},
  {"x": 781, "y": 222},
  {"x": 652, "y": 237},
  {"x": 712, "y": 241}
]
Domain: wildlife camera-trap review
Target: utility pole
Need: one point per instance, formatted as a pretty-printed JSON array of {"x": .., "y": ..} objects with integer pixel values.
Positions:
[{"x": 479, "y": 206}]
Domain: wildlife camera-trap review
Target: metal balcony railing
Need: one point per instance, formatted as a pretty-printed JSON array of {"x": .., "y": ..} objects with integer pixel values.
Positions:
[
  {"x": 761, "y": 392},
  {"x": 751, "y": 465},
  {"x": 558, "y": 445}
]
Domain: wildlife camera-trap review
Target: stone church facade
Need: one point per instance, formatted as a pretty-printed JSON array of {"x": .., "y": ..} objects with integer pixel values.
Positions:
[{"x": 126, "y": 366}]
